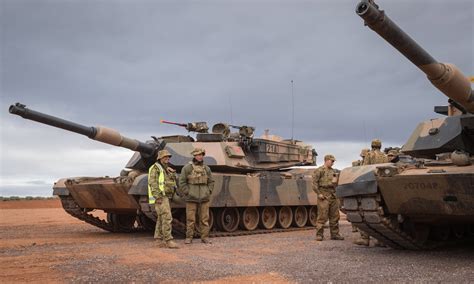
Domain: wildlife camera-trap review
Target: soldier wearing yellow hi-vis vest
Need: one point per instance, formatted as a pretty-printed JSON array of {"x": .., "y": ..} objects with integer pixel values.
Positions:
[{"x": 161, "y": 188}]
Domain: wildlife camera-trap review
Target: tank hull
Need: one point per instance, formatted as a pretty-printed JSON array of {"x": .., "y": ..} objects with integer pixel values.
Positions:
[
  {"x": 122, "y": 196},
  {"x": 410, "y": 207}
]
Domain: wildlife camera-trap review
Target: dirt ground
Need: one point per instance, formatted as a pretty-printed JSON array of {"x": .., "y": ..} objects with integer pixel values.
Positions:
[{"x": 39, "y": 242}]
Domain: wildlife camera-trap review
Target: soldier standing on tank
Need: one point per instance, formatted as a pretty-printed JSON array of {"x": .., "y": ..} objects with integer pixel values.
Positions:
[
  {"x": 161, "y": 188},
  {"x": 392, "y": 156},
  {"x": 375, "y": 156},
  {"x": 197, "y": 184},
  {"x": 324, "y": 184}
]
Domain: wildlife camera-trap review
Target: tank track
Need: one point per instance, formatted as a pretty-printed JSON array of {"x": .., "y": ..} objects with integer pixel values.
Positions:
[
  {"x": 179, "y": 228},
  {"x": 73, "y": 209},
  {"x": 367, "y": 214}
]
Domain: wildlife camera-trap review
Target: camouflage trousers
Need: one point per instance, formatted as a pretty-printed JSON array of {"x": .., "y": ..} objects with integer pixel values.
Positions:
[
  {"x": 163, "y": 221},
  {"x": 328, "y": 208},
  {"x": 202, "y": 212}
]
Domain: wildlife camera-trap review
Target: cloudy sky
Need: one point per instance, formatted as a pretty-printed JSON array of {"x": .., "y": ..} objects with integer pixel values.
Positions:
[{"x": 128, "y": 64}]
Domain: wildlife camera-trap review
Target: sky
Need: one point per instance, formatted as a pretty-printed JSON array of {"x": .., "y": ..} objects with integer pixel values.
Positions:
[{"x": 128, "y": 64}]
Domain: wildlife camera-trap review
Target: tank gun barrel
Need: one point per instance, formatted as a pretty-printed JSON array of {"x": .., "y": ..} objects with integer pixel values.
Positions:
[
  {"x": 446, "y": 77},
  {"x": 99, "y": 133}
]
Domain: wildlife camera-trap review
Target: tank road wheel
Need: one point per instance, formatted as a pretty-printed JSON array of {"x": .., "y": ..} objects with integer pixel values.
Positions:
[
  {"x": 285, "y": 217},
  {"x": 300, "y": 216},
  {"x": 268, "y": 217},
  {"x": 122, "y": 222},
  {"x": 458, "y": 231},
  {"x": 249, "y": 218},
  {"x": 441, "y": 233},
  {"x": 229, "y": 219},
  {"x": 313, "y": 216}
]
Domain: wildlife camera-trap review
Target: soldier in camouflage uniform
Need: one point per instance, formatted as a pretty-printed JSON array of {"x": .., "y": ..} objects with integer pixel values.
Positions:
[
  {"x": 363, "y": 154},
  {"x": 197, "y": 184},
  {"x": 161, "y": 188},
  {"x": 392, "y": 156},
  {"x": 324, "y": 184},
  {"x": 375, "y": 156}
]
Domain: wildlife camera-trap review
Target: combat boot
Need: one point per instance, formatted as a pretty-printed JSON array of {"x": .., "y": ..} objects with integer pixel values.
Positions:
[
  {"x": 171, "y": 244},
  {"x": 362, "y": 242},
  {"x": 188, "y": 241},
  {"x": 337, "y": 237},
  {"x": 206, "y": 241},
  {"x": 319, "y": 238},
  {"x": 160, "y": 243}
]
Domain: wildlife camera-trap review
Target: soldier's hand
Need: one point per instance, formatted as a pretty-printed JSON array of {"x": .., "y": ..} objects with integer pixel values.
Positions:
[{"x": 322, "y": 197}]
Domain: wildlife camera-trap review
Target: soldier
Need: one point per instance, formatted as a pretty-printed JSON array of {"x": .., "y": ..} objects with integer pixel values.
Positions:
[
  {"x": 197, "y": 184},
  {"x": 375, "y": 156},
  {"x": 324, "y": 184},
  {"x": 393, "y": 156},
  {"x": 363, "y": 153},
  {"x": 161, "y": 188}
]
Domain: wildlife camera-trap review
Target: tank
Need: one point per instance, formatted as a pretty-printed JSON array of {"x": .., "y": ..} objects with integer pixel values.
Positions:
[
  {"x": 428, "y": 199},
  {"x": 257, "y": 187}
]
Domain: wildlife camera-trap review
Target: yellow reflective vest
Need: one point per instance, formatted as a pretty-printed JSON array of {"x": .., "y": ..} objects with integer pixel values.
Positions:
[{"x": 161, "y": 183}]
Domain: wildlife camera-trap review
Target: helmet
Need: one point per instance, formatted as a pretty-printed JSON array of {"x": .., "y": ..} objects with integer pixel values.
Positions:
[
  {"x": 329, "y": 157},
  {"x": 376, "y": 143},
  {"x": 163, "y": 153},
  {"x": 364, "y": 152},
  {"x": 198, "y": 151},
  {"x": 392, "y": 153}
]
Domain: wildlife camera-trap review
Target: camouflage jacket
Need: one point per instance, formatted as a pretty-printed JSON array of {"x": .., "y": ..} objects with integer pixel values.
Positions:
[
  {"x": 170, "y": 181},
  {"x": 196, "y": 182},
  {"x": 375, "y": 157},
  {"x": 322, "y": 181}
]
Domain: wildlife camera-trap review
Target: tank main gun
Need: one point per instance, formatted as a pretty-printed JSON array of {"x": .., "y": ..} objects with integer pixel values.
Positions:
[
  {"x": 98, "y": 133},
  {"x": 199, "y": 127},
  {"x": 446, "y": 77}
]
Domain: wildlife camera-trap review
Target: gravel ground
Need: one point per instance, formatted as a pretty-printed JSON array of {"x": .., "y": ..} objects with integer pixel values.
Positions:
[{"x": 47, "y": 245}]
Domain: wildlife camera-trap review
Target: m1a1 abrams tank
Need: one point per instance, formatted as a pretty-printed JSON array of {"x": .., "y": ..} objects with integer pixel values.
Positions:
[
  {"x": 430, "y": 201},
  {"x": 254, "y": 188}
]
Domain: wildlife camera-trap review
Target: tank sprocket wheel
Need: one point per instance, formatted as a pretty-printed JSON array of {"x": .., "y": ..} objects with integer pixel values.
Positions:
[
  {"x": 249, "y": 218},
  {"x": 312, "y": 216},
  {"x": 300, "y": 216},
  {"x": 146, "y": 223},
  {"x": 122, "y": 222},
  {"x": 285, "y": 217},
  {"x": 229, "y": 219},
  {"x": 268, "y": 217}
]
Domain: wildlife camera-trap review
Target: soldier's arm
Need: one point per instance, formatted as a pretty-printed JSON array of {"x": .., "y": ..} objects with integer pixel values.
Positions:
[
  {"x": 316, "y": 177},
  {"x": 153, "y": 182},
  {"x": 210, "y": 179},
  {"x": 183, "y": 180},
  {"x": 366, "y": 160}
]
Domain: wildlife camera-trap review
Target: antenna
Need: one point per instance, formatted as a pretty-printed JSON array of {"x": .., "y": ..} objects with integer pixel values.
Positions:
[
  {"x": 230, "y": 106},
  {"x": 292, "y": 111}
]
